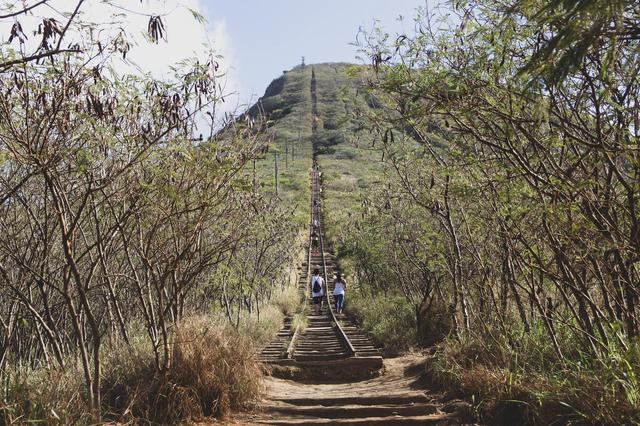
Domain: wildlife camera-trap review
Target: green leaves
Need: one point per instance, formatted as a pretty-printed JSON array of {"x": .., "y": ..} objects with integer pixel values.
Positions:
[
  {"x": 526, "y": 116},
  {"x": 570, "y": 30},
  {"x": 197, "y": 16},
  {"x": 84, "y": 160}
]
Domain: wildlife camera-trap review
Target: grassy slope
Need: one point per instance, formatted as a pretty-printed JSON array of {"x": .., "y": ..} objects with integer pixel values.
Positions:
[
  {"x": 350, "y": 167},
  {"x": 287, "y": 105}
]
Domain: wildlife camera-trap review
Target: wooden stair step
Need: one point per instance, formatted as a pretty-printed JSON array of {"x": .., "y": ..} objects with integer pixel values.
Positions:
[
  {"x": 355, "y": 410},
  {"x": 429, "y": 419}
]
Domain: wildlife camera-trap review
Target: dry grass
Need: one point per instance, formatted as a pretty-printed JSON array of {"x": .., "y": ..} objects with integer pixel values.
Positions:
[
  {"x": 45, "y": 396},
  {"x": 261, "y": 329},
  {"x": 288, "y": 301},
  {"x": 300, "y": 321},
  {"x": 507, "y": 392},
  {"x": 212, "y": 371}
]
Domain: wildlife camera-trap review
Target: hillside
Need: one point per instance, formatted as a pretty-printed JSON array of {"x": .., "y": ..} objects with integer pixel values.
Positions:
[
  {"x": 286, "y": 107},
  {"x": 342, "y": 145}
]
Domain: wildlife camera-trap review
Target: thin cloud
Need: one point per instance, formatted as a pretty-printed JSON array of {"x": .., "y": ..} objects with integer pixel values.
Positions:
[{"x": 186, "y": 36}]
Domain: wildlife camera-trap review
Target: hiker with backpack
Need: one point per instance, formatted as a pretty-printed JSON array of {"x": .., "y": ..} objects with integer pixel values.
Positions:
[
  {"x": 339, "y": 287},
  {"x": 317, "y": 291},
  {"x": 314, "y": 240}
]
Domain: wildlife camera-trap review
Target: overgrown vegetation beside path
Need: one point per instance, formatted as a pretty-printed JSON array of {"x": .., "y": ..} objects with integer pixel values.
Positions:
[
  {"x": 135, "y": 256},
  {"x": 507, "y": 221}
]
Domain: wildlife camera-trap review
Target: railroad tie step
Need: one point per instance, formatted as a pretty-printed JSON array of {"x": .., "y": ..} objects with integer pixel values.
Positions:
[
  {"x": 389, "y": 398},
  {"x": 306, "y": 343},
  {"x": 326, "y": 356},
  {"x": 429, "y": 419},
  {"x": 352, "y": 411}
]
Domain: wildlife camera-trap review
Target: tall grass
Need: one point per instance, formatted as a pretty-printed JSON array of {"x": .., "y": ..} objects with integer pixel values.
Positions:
[
  {"x": 520, "y": 382},
  {"x": 261, "y": 329},
  {"x": 212, "y": 371},
  {"x": 289, "y": 301},
  {"x": 43, "y": 395},
  {"x": 300, "y": 320}
]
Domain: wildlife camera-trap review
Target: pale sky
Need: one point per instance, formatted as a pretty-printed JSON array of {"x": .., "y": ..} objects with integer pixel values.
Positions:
[
  {"x": 258, "y": 38},
  {"x": 264, "y": 37}
]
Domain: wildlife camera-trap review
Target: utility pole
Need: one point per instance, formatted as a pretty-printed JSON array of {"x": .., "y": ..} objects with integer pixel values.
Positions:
[
  {"x": 299, "y": 143},
  {"x": 275, "y": 159},
  {"x": 255, "y": 187},
  {"x": 286, "y": 154}
]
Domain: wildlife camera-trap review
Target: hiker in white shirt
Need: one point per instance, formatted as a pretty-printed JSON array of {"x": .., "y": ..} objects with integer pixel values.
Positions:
[
  {"x": 339, "y": 287},
  {"x": 317, "y": 291}
]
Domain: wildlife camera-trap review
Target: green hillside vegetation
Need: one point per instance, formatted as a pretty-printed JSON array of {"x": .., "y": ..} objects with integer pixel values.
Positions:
[
  {"x": 345, "y": 154},
  {"x": 286, "y": 106},
  {"x": 342, "y": 143}
]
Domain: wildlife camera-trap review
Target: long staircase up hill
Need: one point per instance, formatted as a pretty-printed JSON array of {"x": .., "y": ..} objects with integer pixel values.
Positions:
[
  {"x": 332, "y": 349},
  {"x": 330, "y": 372},
  {"x": 330, "y": 346}
]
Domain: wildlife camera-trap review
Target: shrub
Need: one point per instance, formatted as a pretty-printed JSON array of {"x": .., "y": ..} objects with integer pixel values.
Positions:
[
  {"x": 519, "y": 385},
  {"x": 434, "y": 323},
  {"x": 345, "y": 155},
  {"x": 330, "y": 123},
  {"x": 389, "y": 319},
  {"x": 261, "y": 329},
  {"x": 289, "y": 300}
]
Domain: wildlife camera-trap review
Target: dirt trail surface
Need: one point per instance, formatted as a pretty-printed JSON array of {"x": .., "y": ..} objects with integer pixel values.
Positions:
[{"x": 399, "y": 396}]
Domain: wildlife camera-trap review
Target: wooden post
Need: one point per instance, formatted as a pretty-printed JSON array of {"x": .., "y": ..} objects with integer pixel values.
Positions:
[
  {"x": 255, "y": 188},
  {"x": 299, "y": 140},
  {"x": 286, "y": 154},
  {"x": 275, "y": 159}
]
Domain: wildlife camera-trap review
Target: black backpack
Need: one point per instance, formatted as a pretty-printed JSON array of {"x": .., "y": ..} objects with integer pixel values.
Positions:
[{"x": 316, "y": 285}]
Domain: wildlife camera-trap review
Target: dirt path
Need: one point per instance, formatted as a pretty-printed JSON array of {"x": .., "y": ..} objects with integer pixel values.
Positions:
[{"x": 397, "y": 396}]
